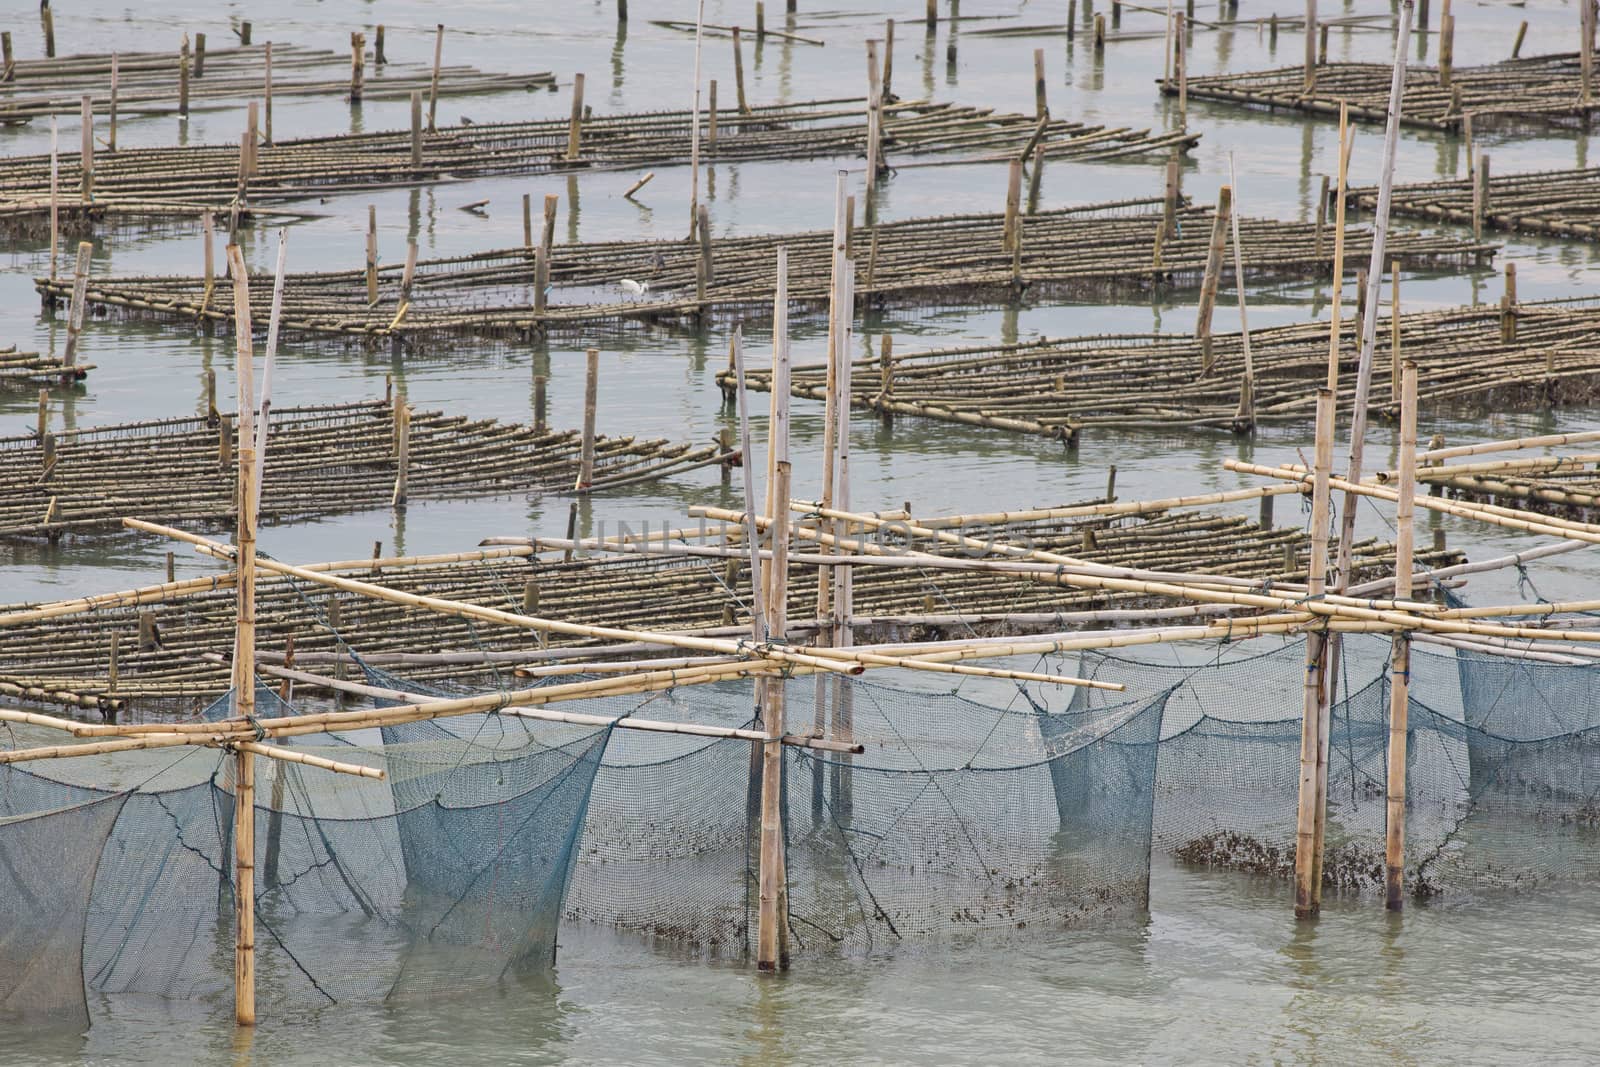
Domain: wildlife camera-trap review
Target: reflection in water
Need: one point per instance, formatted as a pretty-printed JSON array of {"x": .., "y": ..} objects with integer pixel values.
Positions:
[
  {"x": 572, "y": 208},
  {"x": 1307, "y": 982},
  {"x": 397, "y": 525},
  {"x": 616, "y": 63},
  {"x": 413, "y": 213},
  {"x": 769, "y": 1044}
]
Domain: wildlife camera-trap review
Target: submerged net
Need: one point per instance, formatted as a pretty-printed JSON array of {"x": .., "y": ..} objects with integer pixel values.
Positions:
[
  {"x": 448, "y": 875},
  {"x": 962, "y": 815}
]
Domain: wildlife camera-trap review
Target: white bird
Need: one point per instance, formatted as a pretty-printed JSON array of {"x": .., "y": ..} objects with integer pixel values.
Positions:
[{"x": 633, "y": 288}]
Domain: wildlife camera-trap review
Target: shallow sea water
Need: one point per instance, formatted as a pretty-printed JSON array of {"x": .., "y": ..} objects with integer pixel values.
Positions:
[{"x": 1218, "y": 971}]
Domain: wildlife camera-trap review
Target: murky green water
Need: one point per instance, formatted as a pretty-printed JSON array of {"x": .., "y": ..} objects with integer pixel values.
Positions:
[{"x": 1219, "y": 972}]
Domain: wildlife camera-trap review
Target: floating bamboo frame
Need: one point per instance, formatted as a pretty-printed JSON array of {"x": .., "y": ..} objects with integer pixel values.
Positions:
[
  {"x": 327, "y": 460},
  {"x": 953, "y": 261},
  {"x": 1557, "y": 203},
  {"x": 1528, "y": 93},
  {"x": 1059, "y": 388}
]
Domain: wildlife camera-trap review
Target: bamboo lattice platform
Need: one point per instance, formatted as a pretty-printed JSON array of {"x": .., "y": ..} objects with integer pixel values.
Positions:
[
  {"x": 1561, "y": 203},
  {"x": 1568, "y": 486},
  {"x": 1058, "y": 388},
  {"x": 23, "y": 370},
  {"x": 148, "y": 81},
  {"x": 65, "y": 660},
  {"x": 1534, "y": 92},
  {"x": 189, "y": 178},
  {"x": 321, "y": 461},
  {"x": 960, "y": 260}
]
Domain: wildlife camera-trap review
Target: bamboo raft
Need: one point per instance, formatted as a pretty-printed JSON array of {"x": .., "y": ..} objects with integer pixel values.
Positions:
[
  {"x": 1560, "y": 203},
  {"x": 327, "y": 460},
  {"x": 1534, "y": 354},
  {"x": 1538, "y": 91},
  {"x": 24, "y": 370},
  {"x": 160, "y": 645},
  {"x": 959, "y": 260},
  {"x": 148, "y": 82},
  {"x": 182, "y": 181}
]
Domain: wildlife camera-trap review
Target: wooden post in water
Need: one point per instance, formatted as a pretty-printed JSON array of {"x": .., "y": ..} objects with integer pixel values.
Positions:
[
  {"x": 416, "y": 129},
  {"x": 8, "y": 62},
  {"x": 1394, "y": 333},
  {"x": 183, "y": 79},
  {"x": 253, "y": 138},
  {"x": 1516, "y": 45},
  {"x": 1346, "y": 143},
  {"x": 55, "y": 196},
  {"x": 111, "y": 133},
  {"x": 1041, "y": 106},
  {"x": 199, "y": 56},
  {"x": 244, "y": 672},
  {"x": 1244, "y": 418},
  {"x": 1480, "y": 195},
  {"x": 1394, "y": 850},
  {"x": 591, "y": 400},
  {"x": 874, "y": 126},
  {"x": 888, "y": 60},
  {"x": 47, "y": 19},
  {"x": 208, "y": 234},
  {"x": 575, "y": 123},
  {"x": 694, "y": 124},
  {"x": 1099, "y": 33},
  {"x": 402, "y": 455},
  {"x": 267, "y": 89},
  {"x": 1508, "y": 306},
  {"x": 1311, "y": 46},
  {"x": 378, "y": 58},
  {"x": 80, "y": 286},
  {"x": 738, "y": 72},
  {"x": 704, "y": 230},
  {"x": 1307, "y": 895},
  {"x": 86, "y": 152},
  {"x": 1586, "y": 20},
  {"x": 358, "y": 66},
  {"x": 433, "y": 86},
  {"x": 836, "y": 354},
  {"x": 44, "y": 413},
  {"x": 771, "y": 920},
  {"x": 372, "y": 254},
  {"x": 1447, "y": 46},
  {"x": 1010, "y": 238},
  {"x": 1180, "y": 60},
  {"x": 1213, "y": 276},
  {"x": 711, "y": 117}
]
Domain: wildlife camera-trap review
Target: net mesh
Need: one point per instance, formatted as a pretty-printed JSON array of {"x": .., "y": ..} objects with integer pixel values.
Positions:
[{"x": 1017, "y": 811}]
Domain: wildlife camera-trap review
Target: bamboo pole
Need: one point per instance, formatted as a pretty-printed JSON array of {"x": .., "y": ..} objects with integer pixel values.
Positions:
[
  {"x": 433, "y": 85},
  {"x": 1311, "y": 46},
  {"x": 738, "y": 72},
  {"x": 1246, "y": 416},
  {"x": 372, "y": 254},
  {"x": 575, "y": 123},
  {"x": 183, "y": 80},
  {"x": 111, "y": 131},
  {"x": 1213, "y": 275},
  {"x": 591, "y": 400},
  {"x": 747, "y": 467},
  {"x": 244, "y": 679},
  {"x": 1307, "y": 893},
  {"x": 75, "y": 312},
  {"x": 1346, "y": 144},
  {"x": 771, "y": 954},
  {"x": 274, "y": 320},
  {"x": 1400, "y": 655},
  {"x": 834, "y": 402},
  {"x": 694, "y": 124},
  {"x": 55, "y": 208},
  {"x": 86, "y": 152}
]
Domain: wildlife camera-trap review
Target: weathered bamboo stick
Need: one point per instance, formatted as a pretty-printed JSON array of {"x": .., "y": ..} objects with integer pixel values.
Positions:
[
  {"x": 80, "y": 284},
  {"x": 1400, "y": 656},
  {"x": 55, "y": 209},
  {"x": 1307, "y": 893},
  {"x": 575, "y": 123},
  {"x": 591, "y": 401},
  {"x": 771, "y": 920},
  {"x": 1213, "y": 274},
  {"x": 433, "y": 85}
]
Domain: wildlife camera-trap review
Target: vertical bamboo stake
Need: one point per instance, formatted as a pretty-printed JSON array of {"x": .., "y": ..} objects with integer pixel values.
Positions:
[
  {"x": 1213, "y": 276},
  {"x": 704, "y": 229},
  {"x": 1346, "y": 143},
  {"x": 1307, "y": 895},
  {"x": 55, "y": 196},
  {"x": 1394, "y": 851},
  {"x": 1246, "y": 415},
  {"x": 433, "y": 86},
  {"x": 832, "y": 399},
  {"x": 1180, "y": 59},
  {"x": 1394, "y": 333},
  {"x": 402, "y": 460},
  {"x": 358, "y": 66},
  {"x": 183, "y": 79},
  {"x": 527, "y": 222},
  {"x": 591, "y": 397},
  {"x": 772, "y": 920},
  {"x": 843, "y": 577},
  {"x": 874, "y": 124},
  {"x": 372, "y": 254},
  {"x": 1447, "y": 45},
  {"x": 1585, "y": 50},
  {"x": 8, "y": 71},
  {"x": 778, "y": 412},
  {"x": 575, "y": 123},
  {"x": 694, "y": 124},
  {"x": 273, "y": 320},
  {"x": 111, "y": 137},
  {"x": 48, "y": 18},
  {"x": 711, "y": 117},
  {"x": 252, "y": 138},
  {"x": 80, "y": 286},
  {"x": 1516, "y": 46},
  {"x": 208, "y": 234},
  {"x": 1169, "y": 203},
  {"x": 199, "y": 56},
  {"x": 738, "y": 72},
  {"x": 1009, "y": 236},
  {"x": 1509, "y": 314},
  {"x": 1041, "y": 106},
  {"x": 888, "y": 60},
  {"x": 1480, "y": 195},
  {"x": 378, "y": 58},
  {"x": 267, "y": 106},
  {"x": 244, "y": 674},
  {"x": 86, "y": 152},
  {"x": 416, "y": 129},
  {"x": 758, "y": 620}
]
